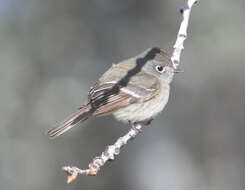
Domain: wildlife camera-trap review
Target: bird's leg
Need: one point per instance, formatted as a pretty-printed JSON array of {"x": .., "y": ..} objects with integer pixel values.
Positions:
[{"x": 109, "y": 154}]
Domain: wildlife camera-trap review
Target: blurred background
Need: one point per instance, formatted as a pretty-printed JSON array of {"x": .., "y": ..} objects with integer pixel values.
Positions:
[{"x": 52, "y": 51}]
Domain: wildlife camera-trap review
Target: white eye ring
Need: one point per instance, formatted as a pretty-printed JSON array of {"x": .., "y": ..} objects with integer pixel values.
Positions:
[{"x": 160, "y": 69}]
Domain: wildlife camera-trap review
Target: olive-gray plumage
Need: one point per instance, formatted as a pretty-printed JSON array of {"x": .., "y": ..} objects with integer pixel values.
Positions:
[{"x": 134, "y": 90}]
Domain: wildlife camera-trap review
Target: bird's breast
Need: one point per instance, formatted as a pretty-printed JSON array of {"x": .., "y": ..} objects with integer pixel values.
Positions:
[{"x": 146, "y": 110}]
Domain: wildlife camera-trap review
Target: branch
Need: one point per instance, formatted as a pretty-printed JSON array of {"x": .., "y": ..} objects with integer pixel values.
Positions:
[
  {"x": 109, "y": 154},
  {"x": 113, "y": 150},
  {"x": 182, "y": 34}
]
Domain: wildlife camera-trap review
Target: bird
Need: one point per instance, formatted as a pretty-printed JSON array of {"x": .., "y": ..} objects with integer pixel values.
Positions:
[{"x": 134, "y": 90}]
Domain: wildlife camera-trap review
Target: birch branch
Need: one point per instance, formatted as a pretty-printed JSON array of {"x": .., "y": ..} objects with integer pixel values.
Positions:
[
  {"x": 182, "y": 34},
  {"x": 113, "y": 150},
  {"x": 109, "y": 154}
]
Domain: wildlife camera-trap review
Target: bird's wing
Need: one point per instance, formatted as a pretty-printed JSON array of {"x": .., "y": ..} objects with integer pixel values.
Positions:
[{"x": 107, "y": 97}]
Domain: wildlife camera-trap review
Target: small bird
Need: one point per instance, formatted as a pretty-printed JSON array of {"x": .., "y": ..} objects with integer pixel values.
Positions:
[{"x": 134, "y": 90}]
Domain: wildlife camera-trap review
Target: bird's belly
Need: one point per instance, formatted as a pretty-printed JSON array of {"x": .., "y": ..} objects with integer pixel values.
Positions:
[{"x": 145, "y": 110}]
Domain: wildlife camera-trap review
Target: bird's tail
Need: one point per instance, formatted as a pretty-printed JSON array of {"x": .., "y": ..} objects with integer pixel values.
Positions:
[{"x": 73, "y": 120}]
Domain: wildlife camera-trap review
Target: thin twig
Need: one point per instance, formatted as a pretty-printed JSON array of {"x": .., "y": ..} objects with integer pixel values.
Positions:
[
  {"x": 182, "y": 34},
  {"x": 113, "y": 150},
  {"x": 109, "y": 154}
]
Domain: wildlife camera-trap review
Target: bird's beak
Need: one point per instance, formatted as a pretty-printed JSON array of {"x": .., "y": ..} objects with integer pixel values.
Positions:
[{"x": 176, "y": 71}]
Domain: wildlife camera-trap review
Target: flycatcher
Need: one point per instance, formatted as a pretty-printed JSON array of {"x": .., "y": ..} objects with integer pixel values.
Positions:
[{"x": 134, "y": 90}]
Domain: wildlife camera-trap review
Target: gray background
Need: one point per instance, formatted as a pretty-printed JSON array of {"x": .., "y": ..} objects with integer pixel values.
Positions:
[{"x": 52, "y": 51}]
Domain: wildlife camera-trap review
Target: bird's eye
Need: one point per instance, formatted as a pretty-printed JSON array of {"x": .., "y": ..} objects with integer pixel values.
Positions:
[{"x": 160, "y": 68}]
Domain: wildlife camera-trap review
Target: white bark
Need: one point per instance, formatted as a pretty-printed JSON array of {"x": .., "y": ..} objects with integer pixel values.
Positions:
[
  {"x": 114, "y": 149},
  {"x": 108, "y": 154},
  {"x": 182, "y": 34}
]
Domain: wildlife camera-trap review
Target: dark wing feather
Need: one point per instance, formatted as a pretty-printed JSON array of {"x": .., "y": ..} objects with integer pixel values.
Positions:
[{"x": 108, "y": 97}]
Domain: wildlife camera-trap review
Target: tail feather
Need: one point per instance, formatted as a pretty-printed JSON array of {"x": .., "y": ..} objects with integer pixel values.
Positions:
[{"x": 73, "y": 120}]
